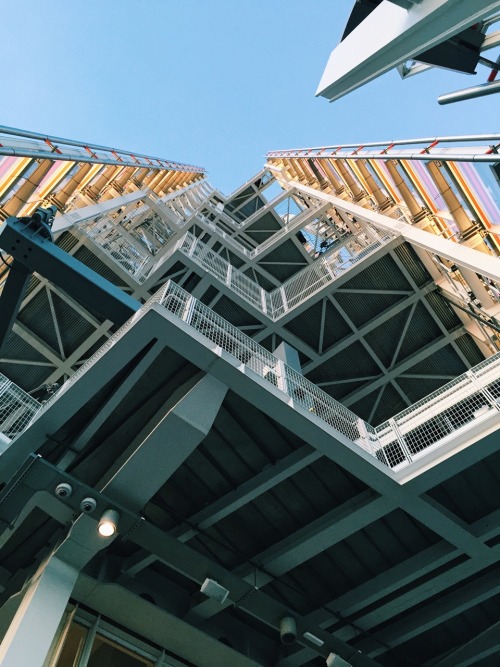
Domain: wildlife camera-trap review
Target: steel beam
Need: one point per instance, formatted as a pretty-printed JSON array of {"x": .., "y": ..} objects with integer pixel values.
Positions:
[
  {"x": 12, "y": 297},
  {"x": 428, "y": 616},
  {"x": 479, "y": 262},
  {"x": 483, "y": 645},
  {"x": 174, "y": 432},
  {"x": 244, "y": 596},
  {"x": 41, "y": 608},
  {"x": 321, "y": 534},
  {"x": 390, "y": 35},
  {"x": 260, "y": 483},
  {"x": 80, "y": 282}
]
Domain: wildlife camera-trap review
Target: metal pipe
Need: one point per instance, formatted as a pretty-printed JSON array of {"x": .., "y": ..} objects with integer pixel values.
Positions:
[
  {"x": 4, "y": 129},
  {"x": 491, "y": 20},
  {"x": 16, "y": 203},
  {"x": 124, "y": 162},
  {"x": 471, "y": 313},
  {"x": 400, "y": 142},
  {"x": 459, "y": 157},
  {"x": 61, "y": 197},
  {"x": 487, "y": 62},
  {"x": 469, "y": 93}
]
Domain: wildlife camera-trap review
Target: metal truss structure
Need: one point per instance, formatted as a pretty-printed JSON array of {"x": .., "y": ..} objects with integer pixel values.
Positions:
[
  {"x": 297, "y": 430},
  {"x": 413, "y": 36}
]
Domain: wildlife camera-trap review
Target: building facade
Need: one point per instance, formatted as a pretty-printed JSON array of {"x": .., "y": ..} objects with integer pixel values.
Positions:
[{"x": 283, "y": 449}]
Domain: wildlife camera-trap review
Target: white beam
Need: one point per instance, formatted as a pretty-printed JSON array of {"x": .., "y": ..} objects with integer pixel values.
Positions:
[
  {"x": 109, "y": 405},
  {"x": 35, "y": 623},
  {"x": 390, "y": 35},
  {"x": 479, "y": 262},
  {"x": 169, "y": 437},
  {"x": 64, "y": 221}
]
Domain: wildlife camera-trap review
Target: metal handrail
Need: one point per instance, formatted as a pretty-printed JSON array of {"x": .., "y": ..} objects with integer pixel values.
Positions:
[
  {"x": 429, "y": 423},
  {"x": 335, "y": 262},
  {"x": 17, "y": 408},
  {"x": 214, "y": 327},
  {"x": 425, "y": 148},
  {"x": 129, "y": 254},
  {"x": 42, "y": 141}
]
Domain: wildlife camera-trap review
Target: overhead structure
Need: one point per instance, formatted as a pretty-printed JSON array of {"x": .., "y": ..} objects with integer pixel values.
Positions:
[
  {"x": 412, "y": 36},
  {"x": 38, "y": 169},
  {"x": 288, "y": 454}
]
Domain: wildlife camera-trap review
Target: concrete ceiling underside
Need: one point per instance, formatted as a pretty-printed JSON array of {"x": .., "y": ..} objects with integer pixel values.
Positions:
[{"x": 271, "y": 503}]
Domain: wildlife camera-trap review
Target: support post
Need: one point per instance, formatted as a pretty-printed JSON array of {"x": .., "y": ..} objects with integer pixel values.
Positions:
[
  {"x": 77, "y": 280},
  {"x": 35, "y": 623},
  {"x": 12, "y": 297}
]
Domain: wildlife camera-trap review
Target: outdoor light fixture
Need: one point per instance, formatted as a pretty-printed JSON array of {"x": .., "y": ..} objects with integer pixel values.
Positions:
[
  {"x": 108, "y": 523},
  {"x": 214, "y": 590},
  {"x": 288, "y": 630},
  {"x": 313, "y": 639}
]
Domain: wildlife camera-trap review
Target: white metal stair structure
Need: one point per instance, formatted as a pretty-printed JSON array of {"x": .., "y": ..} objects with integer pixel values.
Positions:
[{"x": 441, "y": 419}]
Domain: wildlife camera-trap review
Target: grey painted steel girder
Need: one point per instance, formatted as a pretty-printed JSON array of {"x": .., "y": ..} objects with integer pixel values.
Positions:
[
  {"x": 188, "y": 561},
  {"x": 41, "y": 255},
  {"x": 271, "y": 403}
]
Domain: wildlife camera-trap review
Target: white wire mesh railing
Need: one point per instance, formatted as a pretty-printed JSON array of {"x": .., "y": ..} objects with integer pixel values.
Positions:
[
  {"x": 438, "y": 417},
  {"x": 229, "y": 240},
  {"x": 266, "y": 365},
  {"x": 287, "y": 206},
  {"x": 142, "y": 233},
  {"x": 183, "y": 205},
  {"x": 429, "y": 423},
  {"x": 397, "y": 442},
  {"x": 132, "y": 239},
  {"x": 299, "y": 287},
  {"x": 326, "y": 270},
  {"x": 292, "y": 223},
  {"x": 148, "y": 228},
  {"x": 218, "y": 267},
  {"x": 17, "y": 408},
  {"x": 124, "y": 251}
]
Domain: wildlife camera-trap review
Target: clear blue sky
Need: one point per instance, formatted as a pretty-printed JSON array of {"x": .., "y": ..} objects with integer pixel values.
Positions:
[{"x": 216, "y": 83}]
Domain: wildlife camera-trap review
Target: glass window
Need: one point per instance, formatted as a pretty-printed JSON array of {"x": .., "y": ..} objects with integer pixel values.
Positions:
[
  {"x": 72, "y": 647},
  {"x": 104, "y": 652},
  {"x": 107, "y": 654}
]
